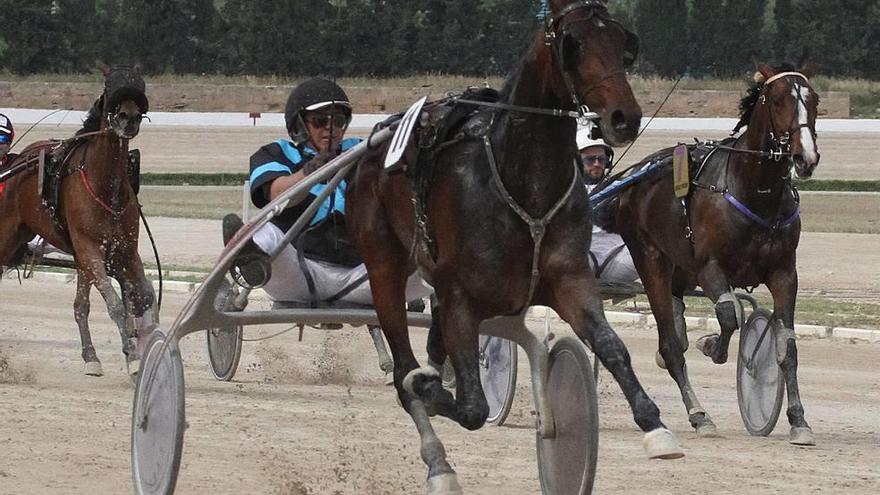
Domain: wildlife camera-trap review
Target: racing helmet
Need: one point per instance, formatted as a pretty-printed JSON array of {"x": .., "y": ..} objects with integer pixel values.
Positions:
[
  {"x": 7, "y": 132},
  {"x": 310, "y": 95},
  {"x": 585, "y": 138}
]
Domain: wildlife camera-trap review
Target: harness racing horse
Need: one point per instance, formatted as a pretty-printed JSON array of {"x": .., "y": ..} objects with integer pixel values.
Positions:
[
  {"x": 89, "y": 209},
  {"x": 511, "y": 163},
  {"x": 738, "y": 227}
]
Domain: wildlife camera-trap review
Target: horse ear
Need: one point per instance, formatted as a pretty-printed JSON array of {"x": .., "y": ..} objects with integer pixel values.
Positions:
[
  {"x": 139, "y": 69},
  {"x": 764, "y": 72},
  {"x": 104, "y": 68},
  {"x": 809, "y": 70}
]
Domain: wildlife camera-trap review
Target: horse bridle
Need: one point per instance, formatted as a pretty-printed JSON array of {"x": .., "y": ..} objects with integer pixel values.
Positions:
[
  {"x": 555, "y": 31},
  {"x": 780, "y": 143}
]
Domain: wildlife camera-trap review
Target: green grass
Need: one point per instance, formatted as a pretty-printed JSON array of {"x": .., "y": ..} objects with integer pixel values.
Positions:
[
  {"x": 235, "y": 179},
  {"x": 839, "y": 185},
  {"x": 810, "y": 310}
]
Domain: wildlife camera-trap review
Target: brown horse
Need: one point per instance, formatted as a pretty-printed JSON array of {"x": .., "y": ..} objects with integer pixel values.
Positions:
[
  {"x": 738, "y": 227},
  {"x": 506, "y": 165},
  {"x": 95, "y": 217}
]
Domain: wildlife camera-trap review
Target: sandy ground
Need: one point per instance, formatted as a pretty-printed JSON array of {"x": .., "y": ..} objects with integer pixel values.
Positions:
[
  {"x": 312, "y": 417},
  {"x": 845, "y": 155}
]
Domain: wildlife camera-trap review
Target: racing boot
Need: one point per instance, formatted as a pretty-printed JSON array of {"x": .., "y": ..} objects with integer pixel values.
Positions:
[{"x": 251, "y": 264}]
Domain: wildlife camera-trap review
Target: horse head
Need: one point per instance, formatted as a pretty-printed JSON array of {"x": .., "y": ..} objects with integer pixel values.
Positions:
[
  {"x": 788, "y": 108},
  {"x": 593, "y": 51},
  {"x": 125, "y": 101}
]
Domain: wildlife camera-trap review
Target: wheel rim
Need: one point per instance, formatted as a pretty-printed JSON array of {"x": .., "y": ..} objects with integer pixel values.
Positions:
[
  {"x": 158, "y": 419},
  {"x": 224, "y": 351},
  {"x": 224, "y": 344},
  {"x": 759, "y": 378},
  {"x": 497, "y": 375},
  {"x": 568, "y": 460}
]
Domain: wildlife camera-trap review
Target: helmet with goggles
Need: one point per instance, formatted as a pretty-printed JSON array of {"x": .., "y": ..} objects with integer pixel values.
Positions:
[{"x": 311, "y": 96}]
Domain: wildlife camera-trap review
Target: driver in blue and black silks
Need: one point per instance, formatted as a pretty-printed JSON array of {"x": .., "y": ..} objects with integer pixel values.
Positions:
[
  {"x": 321, "y": 263},
  {"x": 7, "y": 134}
]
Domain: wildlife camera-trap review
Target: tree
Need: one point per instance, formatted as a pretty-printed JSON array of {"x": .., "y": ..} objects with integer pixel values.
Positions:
[{"x": 662, "y": 26}]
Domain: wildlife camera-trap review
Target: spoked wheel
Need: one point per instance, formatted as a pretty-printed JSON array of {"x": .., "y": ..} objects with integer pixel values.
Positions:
[
  {"x": 759, "y": 382},
  {"x": 567, "y": 461},
  {"x": 157, "y": 421},
  {"x": 498, "y": 375},
  {"x": 224, "y": 344}
]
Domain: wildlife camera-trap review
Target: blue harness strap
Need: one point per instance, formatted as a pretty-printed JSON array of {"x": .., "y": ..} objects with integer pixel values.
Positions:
[{"x": 779, "y": 224}]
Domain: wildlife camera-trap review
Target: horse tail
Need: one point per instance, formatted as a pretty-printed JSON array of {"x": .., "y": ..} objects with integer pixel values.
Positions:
[{"x": 605, "y": 214}]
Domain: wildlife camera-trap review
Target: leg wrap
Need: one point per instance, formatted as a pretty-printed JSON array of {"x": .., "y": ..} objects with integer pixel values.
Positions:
[
  {"x": 729, "y": 311},
  {"x": 783, "y": 336}
]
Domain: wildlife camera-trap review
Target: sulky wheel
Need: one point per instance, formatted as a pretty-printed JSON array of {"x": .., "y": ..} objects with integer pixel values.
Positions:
[
  {"x": 567, "y": 460},
  {"x": 759, "y": 383},
  {"x": 157, "y": 421},
  {"x": 224, "y": 344},
  {"x": 498, "y": 375}
]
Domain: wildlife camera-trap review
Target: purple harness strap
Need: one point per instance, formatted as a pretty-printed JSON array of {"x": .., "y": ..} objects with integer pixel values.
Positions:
[{"x": 757, "y": 219}]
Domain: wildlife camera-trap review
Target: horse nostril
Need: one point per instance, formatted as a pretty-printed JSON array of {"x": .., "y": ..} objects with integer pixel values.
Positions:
[{"x": 618, "y": 120}]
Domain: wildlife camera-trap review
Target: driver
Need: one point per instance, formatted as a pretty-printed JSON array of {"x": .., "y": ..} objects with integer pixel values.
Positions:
[
  {"x": 609, "y": 256},
  {"x": 321, "y": 263},
  {"x": 7, "y": 134}
]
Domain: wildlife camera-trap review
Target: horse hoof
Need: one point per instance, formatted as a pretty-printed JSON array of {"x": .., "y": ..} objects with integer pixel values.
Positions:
[
  {"x": 658, "y": 358},
  {"x": 424, "y": 371},
  {"x": 708, "y": 430},
  {"x": 389, "y": 378},
  {"x": 94, "y": 368},
  {"x": 132, "y": 366},
  {"x": 801, "y": 435},
  {"x": 444, "y": 484},
  {"x": 662, "y": 444},
  {"x": 707, "y": 343}
]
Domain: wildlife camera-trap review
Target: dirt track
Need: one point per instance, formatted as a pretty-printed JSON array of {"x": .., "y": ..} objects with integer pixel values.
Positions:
[
  {"x": 227, "y": 149},
  {"x": 313, "y": 418}
]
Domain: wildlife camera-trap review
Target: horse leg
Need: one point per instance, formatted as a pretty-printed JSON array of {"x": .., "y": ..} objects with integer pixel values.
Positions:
[
  {"x": 576, "y": 299},
  {"x": 386, "y": 364},
  {"x": 728, "y": 310},
  {"x": 413, "y": 384},
  {"x": 142, "y": 314},
  {"x": 81, "y": 309},
  {"x": 657, "y": 275},
  {"x": 783, "y": 286},
  {"x": 91, "y": 265}
]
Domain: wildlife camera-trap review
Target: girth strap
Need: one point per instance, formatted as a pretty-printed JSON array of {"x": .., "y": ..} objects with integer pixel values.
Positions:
[
  {"x": 779, "y": 222},
  {"x": 537, "y": 226}
]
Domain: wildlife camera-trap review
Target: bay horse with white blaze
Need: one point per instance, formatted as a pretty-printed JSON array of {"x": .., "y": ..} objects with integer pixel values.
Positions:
[
  {"x": 508, "y": 165},
  {"x": 738, "y": 227},
  {"x": 92, "y": 214}
]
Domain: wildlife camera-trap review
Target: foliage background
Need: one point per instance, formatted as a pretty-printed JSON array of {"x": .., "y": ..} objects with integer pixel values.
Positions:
[{"x": 699, "y": 38}]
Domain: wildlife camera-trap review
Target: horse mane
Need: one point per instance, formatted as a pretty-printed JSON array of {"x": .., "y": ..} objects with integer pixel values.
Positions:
[
  {"x": 93, "y": 117},
  {"x": 748, "y": 102}
]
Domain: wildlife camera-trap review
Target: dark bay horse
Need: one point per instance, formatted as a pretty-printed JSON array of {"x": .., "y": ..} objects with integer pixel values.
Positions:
[
  {"x": 95, "y": 217},
  {"x": 738, "y": 227},
  {"x": 509, "y": 162}
]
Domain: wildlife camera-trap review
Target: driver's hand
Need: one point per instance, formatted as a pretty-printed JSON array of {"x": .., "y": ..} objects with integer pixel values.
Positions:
[{"x": 315, "y": 163}]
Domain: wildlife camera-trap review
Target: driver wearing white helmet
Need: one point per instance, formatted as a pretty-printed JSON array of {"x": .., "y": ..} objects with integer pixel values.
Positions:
[{"x": 609, "y": 256}]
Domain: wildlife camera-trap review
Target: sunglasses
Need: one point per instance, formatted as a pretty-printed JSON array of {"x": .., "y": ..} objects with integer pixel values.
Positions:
[
  {"x": 601, "y": 159},
  {"x": 321, "y": 120},
  {"x": 4, "y": 139}
]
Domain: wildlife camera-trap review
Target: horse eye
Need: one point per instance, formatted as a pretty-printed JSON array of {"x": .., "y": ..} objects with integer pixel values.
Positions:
[{"x": 571, "y": 48}]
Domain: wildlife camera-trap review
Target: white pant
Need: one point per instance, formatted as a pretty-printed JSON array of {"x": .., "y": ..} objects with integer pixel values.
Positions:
[
  {"x": 621, "y": 267},
  {"x": 288, "y": 283}
]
